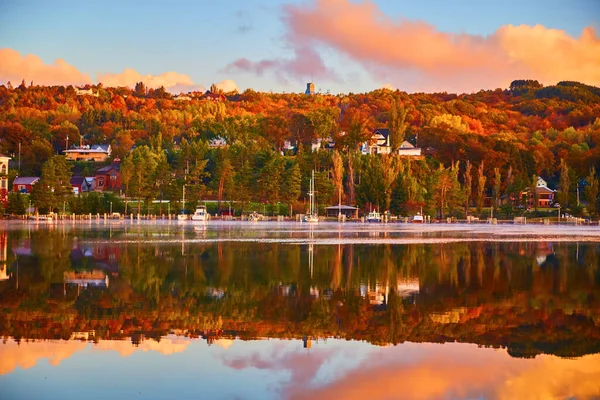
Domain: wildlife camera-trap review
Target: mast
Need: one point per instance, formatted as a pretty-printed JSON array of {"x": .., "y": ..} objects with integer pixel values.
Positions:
[{"x": 183, "y": 201}]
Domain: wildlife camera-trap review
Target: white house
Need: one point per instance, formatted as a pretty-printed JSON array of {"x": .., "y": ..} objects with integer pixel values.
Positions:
[
  {"x": 85, "y": 92},
  {"x": 407, "y": 149}
]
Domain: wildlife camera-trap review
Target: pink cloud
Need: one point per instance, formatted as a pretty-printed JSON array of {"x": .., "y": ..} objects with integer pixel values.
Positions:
[
  {"x": 15, "y": 67},
  {"x": 398, "y": 49},
  {"x": 169, "y": 80}
]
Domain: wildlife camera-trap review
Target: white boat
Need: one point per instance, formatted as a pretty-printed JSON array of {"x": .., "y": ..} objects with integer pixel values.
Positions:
[
  {"x": 200, "y": 214},
  {"x": 254, "y": 217},
  {"x": 418, "y": 219},
  {"x": 312, "y": 214},
  {"x": 182, "y": 216},
  {"x": 374, "y": 216}
]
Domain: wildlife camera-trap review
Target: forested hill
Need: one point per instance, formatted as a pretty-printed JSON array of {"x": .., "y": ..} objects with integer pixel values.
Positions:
[{"x": 522, "y": 131}]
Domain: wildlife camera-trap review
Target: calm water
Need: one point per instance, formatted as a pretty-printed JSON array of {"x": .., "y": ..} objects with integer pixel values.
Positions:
[{"x": 259, "y": 311}]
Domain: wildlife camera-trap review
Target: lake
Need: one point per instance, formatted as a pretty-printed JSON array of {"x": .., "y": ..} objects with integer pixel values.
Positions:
[{"x": 230, "y": 310}]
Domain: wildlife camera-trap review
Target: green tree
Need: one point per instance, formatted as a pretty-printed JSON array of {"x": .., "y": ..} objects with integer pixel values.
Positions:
[
  {"x": 480, "y": 194},
  {"x": 54, "y": 187},
  {"x": 16, "y": 204},
  {"x": 468, "y": 186},
  {"x": 591, "y": 192},
  {"x": 565, "y": 183},
  {"x": 397, "y": 124},
  {"x": 337, "y": 173},
  {"x": 291, "y": 185}
]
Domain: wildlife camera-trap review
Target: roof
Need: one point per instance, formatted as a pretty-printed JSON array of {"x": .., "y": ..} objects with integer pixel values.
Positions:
[
  {"x": 342, "y": 207},
  {"x": 109, "y": 167},
  {"x": 3, "y": 156},
  {"x": 77, "y": 180},
  {"x": 407, "y": 145},
  {"x": 385, "y": 132},
  {"x": 25, "y": 180},
  {"x": 95, "y": 148}
]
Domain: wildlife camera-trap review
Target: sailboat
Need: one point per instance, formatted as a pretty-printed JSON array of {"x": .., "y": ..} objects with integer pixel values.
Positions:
[
  {"x": 312, "y": 214},
  {"x": 182, "y": 216}
]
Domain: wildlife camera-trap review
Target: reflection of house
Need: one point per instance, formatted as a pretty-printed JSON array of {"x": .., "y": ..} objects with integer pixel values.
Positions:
[
  {"x": 108, "y": 177},
  {"x": 84, "y": 336},
  {"x": 3, "y": 256},
  {"x": 545, "y": 195},
  {"x": 542, "y": 251},
  {"x": 377, "y": 296},
  {"x": 84, "y": 279},
  {"x": 24, "y": 184},
  {"x": 407, "y": 287},
  {"x": 4, "y": 179},
  {"x": 96, "y": 152},
  {"x": 215, "y": 293}
]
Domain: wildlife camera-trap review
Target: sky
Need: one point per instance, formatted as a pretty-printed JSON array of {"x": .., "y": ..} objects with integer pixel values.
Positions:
[{"x": 343, "y": 46}]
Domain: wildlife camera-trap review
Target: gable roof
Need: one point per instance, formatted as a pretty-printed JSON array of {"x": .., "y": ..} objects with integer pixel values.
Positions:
[
  {"x": 25, "y": 180},
  {"x": 383, "y": 132},
  {"x": 407, "y": 145},
  {"x": 108, "y": 168},
  {"x": 77, "y": 180},
  {"x": 3, "y": 156}
]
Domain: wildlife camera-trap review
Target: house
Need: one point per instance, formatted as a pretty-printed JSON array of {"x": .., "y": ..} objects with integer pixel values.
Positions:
[
  {"x": 24, "y": 184},
  {"x": 545, "y": 195},
  {"x": 217, "y": 142},
  {"x": 96, "y": 152},
  {"x": 108, "y": 177},
  {"x": 407, "y": 149},
  {"x": 85, "y": 92},
  {"x": 182, "y": 97},
  {"x": 379, "y": 143},
  {"x": 4, "y": 179},
  {"x": 91, "y": 181},
  {"x": 348, "y": 211},
  {"x": 80, "y": 185},
  {"x": 214, "y": 96}
]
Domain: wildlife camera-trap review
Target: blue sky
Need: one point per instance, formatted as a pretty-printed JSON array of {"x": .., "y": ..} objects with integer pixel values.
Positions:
[{"x": 201, "y": 38}]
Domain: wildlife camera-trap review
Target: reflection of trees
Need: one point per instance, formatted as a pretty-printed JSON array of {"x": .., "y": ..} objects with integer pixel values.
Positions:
[{"x": 533, "y": 297}]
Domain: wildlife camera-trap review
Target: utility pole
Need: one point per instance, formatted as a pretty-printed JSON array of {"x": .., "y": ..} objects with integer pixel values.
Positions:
[{"x": 67, "y": 145}]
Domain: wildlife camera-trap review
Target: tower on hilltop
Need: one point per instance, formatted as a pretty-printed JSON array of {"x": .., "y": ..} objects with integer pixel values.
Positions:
[{"x": 310, "y": 88}]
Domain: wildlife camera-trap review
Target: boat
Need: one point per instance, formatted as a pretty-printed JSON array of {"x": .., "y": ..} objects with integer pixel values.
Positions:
[
  {"x": 182, "y": 216},
  {"x": 374, "y": 216},
  {"x": 418, "y": 219},
  {"x": 254, "y": 217},
  {"x": 200, "y": 214},
  {"x": 312, "y": 214}
]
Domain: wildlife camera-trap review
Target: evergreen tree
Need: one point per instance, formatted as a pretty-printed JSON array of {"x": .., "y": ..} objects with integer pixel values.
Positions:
[
  {"x": 565, "y": 183},
  {"x": 591, "y": 192}
]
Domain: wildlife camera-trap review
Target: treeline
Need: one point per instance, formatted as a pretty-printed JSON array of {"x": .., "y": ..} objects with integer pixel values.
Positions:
[{"x": 508, "y": 137}]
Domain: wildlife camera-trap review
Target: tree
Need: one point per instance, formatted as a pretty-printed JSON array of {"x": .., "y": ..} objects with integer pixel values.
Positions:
[
  {"x": 141, "y": 166},
  {"x": 16, "y": 204},
  {"x": 497, "y": 186},
  {"x": 468, "y": 186},
  {"x": 445, "y": 189},
  {"x": 389, "y": 172},
  {"x": 480, "y": 194},
  {"x": 565, "y": 183},
  {"x": 291, "y": 185},
  {"x": 591, "y": 192},
  {"x": 397, "y": 124},
  {"x": 54, "y": 187},
  {"x": 533, "y": 193},
  {"x": 337, "y": 173}
]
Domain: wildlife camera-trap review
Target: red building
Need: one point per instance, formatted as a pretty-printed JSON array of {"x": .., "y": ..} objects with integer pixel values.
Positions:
[
  {"x": 108, "y": 177},
  {"x": 24, "y": 184}
]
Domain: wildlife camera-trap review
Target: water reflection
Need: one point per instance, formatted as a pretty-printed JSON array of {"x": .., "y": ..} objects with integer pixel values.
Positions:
[{"x": 157, "y": 290}]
